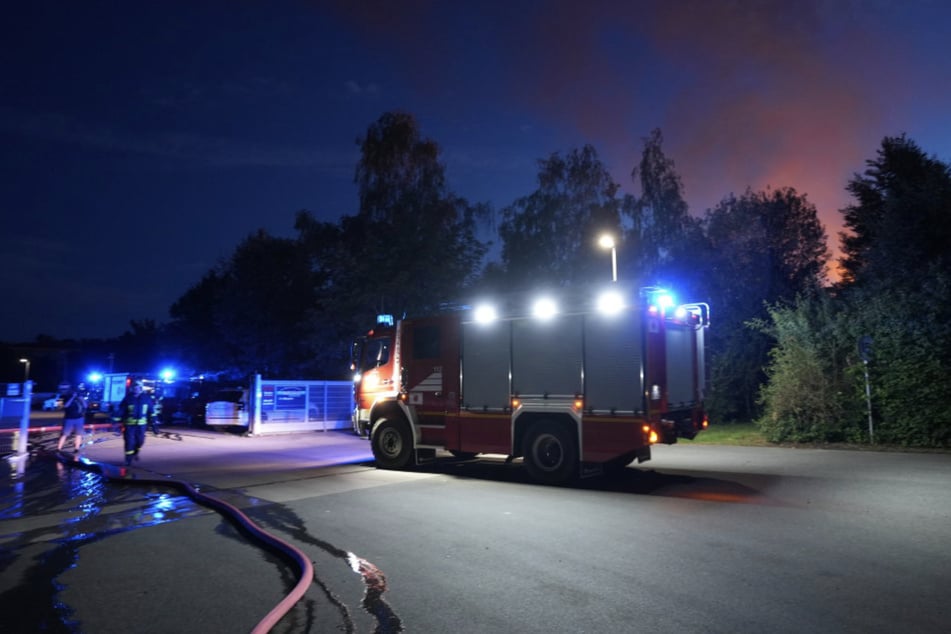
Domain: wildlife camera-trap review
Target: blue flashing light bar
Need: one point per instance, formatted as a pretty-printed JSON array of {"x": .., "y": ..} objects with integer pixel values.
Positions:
[{"x": 659, "y": 297}]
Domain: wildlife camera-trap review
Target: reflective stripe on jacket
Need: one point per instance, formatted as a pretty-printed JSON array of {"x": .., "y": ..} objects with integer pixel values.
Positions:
[{"x": 135, "y": 410}]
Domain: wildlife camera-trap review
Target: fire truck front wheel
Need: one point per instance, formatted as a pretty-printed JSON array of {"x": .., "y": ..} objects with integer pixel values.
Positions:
[
  {"x": 550, "y": 453},
  {"x": 392, "y": 444}
]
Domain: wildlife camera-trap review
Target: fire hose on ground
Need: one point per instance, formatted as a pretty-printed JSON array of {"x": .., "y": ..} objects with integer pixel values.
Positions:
[{"x": 295, "y": 555}]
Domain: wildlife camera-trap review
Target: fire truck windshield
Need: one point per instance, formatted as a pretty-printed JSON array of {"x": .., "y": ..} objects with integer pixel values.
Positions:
[{"x": 376, "y": 352}]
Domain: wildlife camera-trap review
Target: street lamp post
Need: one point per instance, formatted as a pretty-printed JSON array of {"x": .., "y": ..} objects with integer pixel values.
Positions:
[
  {"x": 606, "y": 241},
  {"x": 26, "y": 369}
]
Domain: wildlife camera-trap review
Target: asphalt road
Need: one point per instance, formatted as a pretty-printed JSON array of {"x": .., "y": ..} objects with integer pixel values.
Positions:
[{"x": 700, "y": 539}]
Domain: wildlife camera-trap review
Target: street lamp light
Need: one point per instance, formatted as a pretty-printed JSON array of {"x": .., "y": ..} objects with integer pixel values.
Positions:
[
  {"x": 26, "y": 369},
  {"x": 606, "y": 241}
]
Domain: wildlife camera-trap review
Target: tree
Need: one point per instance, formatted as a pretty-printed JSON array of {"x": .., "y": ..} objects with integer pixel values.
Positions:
[
  {"x": 766, "y": 248},
  {"x": 900, "y": 223},
  {"x": 897, "y": 271},
  {"x": 291, "y": 306},
  {"x": 194, "y": 322},
  {"x": 816, "y": 389},
  {"x": 251, "y": 314},
  {"x": 549, "y": 237},
  {"x": 413, "y": 240},
  {"x": 410, "y": 248},
  {"x": 910, "y": 326},
  {"x": 769, "y": 246},
  {"x": 142, "y": 344},
  {"x": 664, "y": 239},
  {"x": 897, "y": 279},
  {"x": 895, "y": 291}
]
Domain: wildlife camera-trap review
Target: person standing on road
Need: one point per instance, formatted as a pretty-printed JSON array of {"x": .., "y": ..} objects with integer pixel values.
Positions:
[
  {"x": 74, "y": 412},
  {"x": 134, "y": 413}
]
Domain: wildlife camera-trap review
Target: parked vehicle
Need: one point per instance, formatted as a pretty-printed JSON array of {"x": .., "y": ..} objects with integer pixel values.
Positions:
[
  {"x": 228, "y": 406},
  {"x": 53, "y": 404},
  {"x": 571, "y": 392},
  {"x": 186, "y": 402},
  {"x": 113, "y": 389}
]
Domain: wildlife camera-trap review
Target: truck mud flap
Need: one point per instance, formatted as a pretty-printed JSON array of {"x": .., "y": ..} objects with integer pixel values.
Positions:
[
  {"x": 643, "y": 454},
  {"x": 591, "y": 470},
  {"x": 425, "y": 456}
]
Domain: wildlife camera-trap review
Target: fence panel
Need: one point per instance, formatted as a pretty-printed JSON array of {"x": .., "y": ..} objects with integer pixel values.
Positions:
[{"x": 284, "y": 405}]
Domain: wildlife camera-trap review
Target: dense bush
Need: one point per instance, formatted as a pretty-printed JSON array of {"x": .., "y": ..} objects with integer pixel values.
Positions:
[
  {"x": 911, "y": 363},
  {"x": 816, "y": 379},
  {"x": 808, "y": 395}
]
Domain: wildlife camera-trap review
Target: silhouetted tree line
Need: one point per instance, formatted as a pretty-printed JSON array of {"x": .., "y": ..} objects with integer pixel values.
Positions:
[
  {"x": 895, "y": 289},
  {"x": 783, "y": 346}
]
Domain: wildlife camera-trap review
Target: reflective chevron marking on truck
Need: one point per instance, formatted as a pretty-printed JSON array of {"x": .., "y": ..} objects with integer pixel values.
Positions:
[{"x": 432, "y": 383}]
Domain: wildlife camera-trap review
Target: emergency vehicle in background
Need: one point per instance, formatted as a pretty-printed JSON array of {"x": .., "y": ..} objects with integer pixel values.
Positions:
[
  {"x": 177, "y": 400},
  {"x": 114, "y": 386},
  {"x": 110, "y": 388},
  {"x": 572, "y": 393}
]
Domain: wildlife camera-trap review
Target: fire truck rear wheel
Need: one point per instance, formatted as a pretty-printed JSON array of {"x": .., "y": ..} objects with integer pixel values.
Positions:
[
  {"x": 392, "y": 444},
  {"x": 551, "y": 456}
]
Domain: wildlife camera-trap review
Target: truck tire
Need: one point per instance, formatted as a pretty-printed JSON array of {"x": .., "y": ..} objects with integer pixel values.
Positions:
[
  {"x": 392, "y": 444},
  {"x": 551, "y": 454}
]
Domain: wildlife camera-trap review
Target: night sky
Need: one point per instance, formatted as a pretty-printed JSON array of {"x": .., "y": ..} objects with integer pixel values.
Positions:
[{"x": 141, "y": 141}]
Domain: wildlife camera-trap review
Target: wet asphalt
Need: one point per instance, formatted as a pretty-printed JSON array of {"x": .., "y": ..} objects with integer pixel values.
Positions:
[
  {"x": 702, "y": 539},
  {"x": 86, "y": 546}
]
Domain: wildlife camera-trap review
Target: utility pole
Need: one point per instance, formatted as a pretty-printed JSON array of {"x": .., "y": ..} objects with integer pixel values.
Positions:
[{"x": 865, "y": 351}]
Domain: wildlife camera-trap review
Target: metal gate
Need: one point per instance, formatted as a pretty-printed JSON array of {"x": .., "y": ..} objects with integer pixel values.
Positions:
[{"x": 282, "y": 405}]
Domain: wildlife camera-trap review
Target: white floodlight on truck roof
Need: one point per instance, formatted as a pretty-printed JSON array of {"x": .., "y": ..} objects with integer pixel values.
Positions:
[
  {"x": 610, "y": 302},
  {"x": 485, "y": 314},
  {"x": 544, "y": 308}
]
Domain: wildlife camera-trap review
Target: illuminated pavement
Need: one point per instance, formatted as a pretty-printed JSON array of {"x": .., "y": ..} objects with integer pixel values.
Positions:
[
  {"x": 225, "y": 460},
  {"x": 74, "y": 549},
  {"x": 702, "y": 539}
]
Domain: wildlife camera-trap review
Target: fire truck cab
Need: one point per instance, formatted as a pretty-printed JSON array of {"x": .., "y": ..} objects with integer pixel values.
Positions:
[{"x": 568, "y": 391}]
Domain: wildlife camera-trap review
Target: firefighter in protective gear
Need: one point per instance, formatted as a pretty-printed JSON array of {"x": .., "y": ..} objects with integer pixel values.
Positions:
[{"x": 135, "y": 412}]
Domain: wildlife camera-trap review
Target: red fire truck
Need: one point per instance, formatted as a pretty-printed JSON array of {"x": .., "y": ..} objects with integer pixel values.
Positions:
[{"x": 571, "y": 392}]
